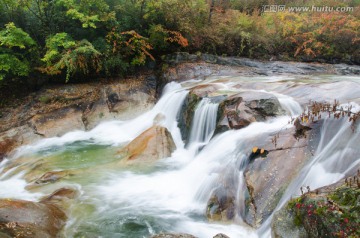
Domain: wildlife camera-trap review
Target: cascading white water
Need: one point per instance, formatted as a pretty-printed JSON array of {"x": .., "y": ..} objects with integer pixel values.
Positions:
[
  {"x": 337, "y": 154},
  {"x": 173, "y": 195},
  {"x": 112, "y": 133},
  {"x": 118, "y": 132},
  {"x": 203, "y": 124}
]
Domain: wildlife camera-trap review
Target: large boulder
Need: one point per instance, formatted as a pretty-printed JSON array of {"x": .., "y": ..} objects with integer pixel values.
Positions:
[
  {"x": 20, "y": 218},
  {"x": 153, "y": 144},
  {"x": 241, "y": 109},
  {"x": 267, "y": 178}
]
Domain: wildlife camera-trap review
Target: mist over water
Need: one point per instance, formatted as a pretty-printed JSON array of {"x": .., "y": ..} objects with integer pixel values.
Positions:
[{"x": 172, "y": 195}]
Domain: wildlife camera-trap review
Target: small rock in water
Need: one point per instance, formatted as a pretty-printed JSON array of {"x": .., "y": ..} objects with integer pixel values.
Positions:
[
  {"x": 159, "y": 118},
  {"x": 221, "y": 235},
  {"x": 60, "y": 194},
  {"x": 51, "y": 177}
]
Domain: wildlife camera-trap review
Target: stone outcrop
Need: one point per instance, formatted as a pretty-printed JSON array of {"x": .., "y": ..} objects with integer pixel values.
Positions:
[
  {"x": 153, "y": 144},
  {"x": 27, "y": 219}
]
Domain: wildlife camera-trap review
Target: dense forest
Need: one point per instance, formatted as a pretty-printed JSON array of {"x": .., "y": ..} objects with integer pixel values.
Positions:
[{"x": 71, "y": 39}]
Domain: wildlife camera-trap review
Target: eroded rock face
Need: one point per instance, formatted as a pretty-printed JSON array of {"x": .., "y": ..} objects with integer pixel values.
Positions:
[
  {"x": 151, "y": 145},
  {"x": 54, "y": 111},
  {"x": 20, "y": 218}
]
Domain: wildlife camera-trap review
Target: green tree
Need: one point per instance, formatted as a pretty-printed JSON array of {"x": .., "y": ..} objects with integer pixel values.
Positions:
[
  {"x": 15, "y": 46},
  {"x": 88, "y": 12},
  {"x": 64, "y": 53}
]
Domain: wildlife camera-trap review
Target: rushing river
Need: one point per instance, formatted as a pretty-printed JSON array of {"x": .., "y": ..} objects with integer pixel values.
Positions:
[{"x": 171, "y": 196}]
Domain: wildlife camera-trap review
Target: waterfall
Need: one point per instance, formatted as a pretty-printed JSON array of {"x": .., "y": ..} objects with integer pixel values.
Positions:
[
  {"x": 172, "y": 195},
  {"x": 336, "y": 155},
  {"x": 204, "y": 122}
]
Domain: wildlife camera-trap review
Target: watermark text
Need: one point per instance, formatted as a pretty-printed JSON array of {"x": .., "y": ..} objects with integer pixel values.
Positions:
[{"x": 284, "y": 8}]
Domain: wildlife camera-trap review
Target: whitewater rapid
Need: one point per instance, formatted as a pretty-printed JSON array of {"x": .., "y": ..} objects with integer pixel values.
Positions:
[{"x": 173, "y": 195}]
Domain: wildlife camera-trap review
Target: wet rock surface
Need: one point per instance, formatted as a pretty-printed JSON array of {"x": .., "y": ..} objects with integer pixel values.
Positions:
[
  {"x": 52, "y": 177},
  {"x": 221, "y": 206},
  {"x": 238, "y": 111},
  {"x": 267, "y": 178},
  {"x": 235, "y": 111},
  {"x": 20, "y": 218},
  {"x": 153, "y": 144},
  {"x": 60, "y": 195}
]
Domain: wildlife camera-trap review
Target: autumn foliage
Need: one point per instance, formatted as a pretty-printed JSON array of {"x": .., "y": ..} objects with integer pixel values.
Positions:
[{"x": 115, "y": 37}]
